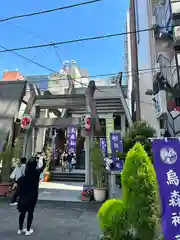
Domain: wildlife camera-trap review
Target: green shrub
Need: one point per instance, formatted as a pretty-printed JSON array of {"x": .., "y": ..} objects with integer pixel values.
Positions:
[
  {"x": 112, "y": 218},
  {"x": 139, "y": 132},
  {"x": 140, "y": 193},
  {"x": 98, "y": 165}
]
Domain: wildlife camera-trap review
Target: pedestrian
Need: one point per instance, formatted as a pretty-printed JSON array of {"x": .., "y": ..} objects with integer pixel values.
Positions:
[
  {"x": 28, "y": 192},
  {"x": 69, "y": 160},
  {"x": 16, "y": 174},
  {"x": 74, "y": 161},
  {"x": 64, "y": 161}
]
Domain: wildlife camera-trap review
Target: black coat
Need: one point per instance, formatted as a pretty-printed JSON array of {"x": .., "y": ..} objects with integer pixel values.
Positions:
[{"x": 28, "y": 187}]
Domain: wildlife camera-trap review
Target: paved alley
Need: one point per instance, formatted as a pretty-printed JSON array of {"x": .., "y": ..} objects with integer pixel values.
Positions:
[
  {"x": 52, "y": 221},
  {"x": 70, "y": 192}
]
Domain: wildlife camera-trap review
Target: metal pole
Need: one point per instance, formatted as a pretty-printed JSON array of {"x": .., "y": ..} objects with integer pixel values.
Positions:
[
  {"x": 135, "y": 73},
  {"x": 25, "y": 145}
]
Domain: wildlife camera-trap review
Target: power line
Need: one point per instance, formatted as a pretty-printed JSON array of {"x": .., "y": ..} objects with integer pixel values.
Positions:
[
  {"x": 30, "y": 60},
  {"x": 34, "y": 57},
  {"x": 40, "y": 65},
  {"x": 38, "y": 37},
  {"x": 58, "y": 56},
  {"x": 128, "y": 74},
  {"x": 49, "y": 10},
  {"x": 75, "y": 40},
  {"x": 142, "y": 71},
  {"x": 36, "y": 63}
]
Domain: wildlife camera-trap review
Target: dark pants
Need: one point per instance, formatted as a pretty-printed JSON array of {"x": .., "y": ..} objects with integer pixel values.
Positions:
[
  {"x": 29, "y": 219},
  {"x": 15, "y": 195},
  {"x": 70, "y": 167},
  {"x": 26, "y": 205}
]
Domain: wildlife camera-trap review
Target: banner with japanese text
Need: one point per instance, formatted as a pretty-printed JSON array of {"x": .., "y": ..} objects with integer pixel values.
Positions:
[
  {"x": 166, "y": 153},
  {"x": 109, "y": 129},
  {"x": 116, "y": 146},
  {"x": 71, "y": 139},
  {"x": 103, "y": 146}
]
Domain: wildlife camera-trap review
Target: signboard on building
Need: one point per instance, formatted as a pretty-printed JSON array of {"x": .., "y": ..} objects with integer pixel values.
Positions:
[{"x": 160, "y": 103}]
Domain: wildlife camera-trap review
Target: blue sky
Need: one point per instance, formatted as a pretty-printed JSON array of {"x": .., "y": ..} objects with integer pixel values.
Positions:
[{"x": 102, "y": 56}]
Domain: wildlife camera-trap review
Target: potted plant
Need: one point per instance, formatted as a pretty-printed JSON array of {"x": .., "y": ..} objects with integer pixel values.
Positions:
[
  {"x": 98, "y": 167},
  {"x": 47, "y": 171}
]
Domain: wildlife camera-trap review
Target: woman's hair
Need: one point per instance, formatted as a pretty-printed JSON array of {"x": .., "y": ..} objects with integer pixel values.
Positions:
[
  {"x": 23, "y": 160},
  {"x": 30, "y": 168}
]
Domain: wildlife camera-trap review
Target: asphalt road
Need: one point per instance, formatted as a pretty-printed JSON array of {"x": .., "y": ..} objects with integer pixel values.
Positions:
[{"x": 52, "y": 221}]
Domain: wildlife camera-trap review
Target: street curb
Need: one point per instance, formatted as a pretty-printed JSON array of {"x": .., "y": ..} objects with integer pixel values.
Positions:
[{"x": 76, "y": 205}]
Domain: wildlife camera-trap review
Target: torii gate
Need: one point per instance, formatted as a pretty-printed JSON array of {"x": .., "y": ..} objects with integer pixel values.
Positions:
[{"x": 32, "y": 139}]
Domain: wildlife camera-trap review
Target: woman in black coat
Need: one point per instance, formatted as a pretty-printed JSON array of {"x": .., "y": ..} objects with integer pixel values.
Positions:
[{"x": 28, "y": 192}]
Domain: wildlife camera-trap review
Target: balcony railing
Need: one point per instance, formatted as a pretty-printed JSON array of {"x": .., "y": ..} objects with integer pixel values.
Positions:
[
  {"x": 163, "y": 22},
  {"x": 165, "y": 68},
  {"x": 159, "y": 13}
]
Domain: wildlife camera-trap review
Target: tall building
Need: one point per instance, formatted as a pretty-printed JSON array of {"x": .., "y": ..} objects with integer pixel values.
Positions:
[
  {"x": 145, "y": 76},
  {"x": 12, "y": 76},
  {"x": 70, "y": 74},
  {"x": 41, "y": 81},
  {"x": 164, "y": 19}
]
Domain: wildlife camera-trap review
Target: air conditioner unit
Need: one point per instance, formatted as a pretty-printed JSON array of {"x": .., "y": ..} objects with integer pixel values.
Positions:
[{"x": 176, "y": 34}]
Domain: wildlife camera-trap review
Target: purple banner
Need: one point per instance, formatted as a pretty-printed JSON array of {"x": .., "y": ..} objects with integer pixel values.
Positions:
[
  {"x": 116, "y": 146},
  {"x": 167, "y": 165},
  {"x": 71, "y": 139},
  {"x": 103, "y": 146}
]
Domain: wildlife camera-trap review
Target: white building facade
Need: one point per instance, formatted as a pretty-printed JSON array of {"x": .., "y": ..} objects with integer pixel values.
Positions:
[{"x": 164, "y": 18}]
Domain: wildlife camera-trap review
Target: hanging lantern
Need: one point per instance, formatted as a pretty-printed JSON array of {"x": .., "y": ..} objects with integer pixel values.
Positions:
[
  {"x": 87, "y": 122},
  {"x": 26, "y": 122}
]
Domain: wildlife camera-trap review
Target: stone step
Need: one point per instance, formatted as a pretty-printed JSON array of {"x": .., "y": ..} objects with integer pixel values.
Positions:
[{"x": 67, "y": 177}]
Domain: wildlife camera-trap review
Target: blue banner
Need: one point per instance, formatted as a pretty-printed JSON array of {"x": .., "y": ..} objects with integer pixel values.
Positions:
[
  {"x": 116, "y": 146},
  {"x": 103, "y": 146},
  {"x": 71, "y": 139},
  {"x": 166, "y": 154}
]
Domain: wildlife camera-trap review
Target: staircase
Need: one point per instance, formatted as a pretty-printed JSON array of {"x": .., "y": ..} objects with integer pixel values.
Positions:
[{"x": 67, "y": 177}]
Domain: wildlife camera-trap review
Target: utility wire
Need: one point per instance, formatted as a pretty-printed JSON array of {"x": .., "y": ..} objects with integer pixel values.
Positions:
[
  {"x": 40, "y": 65},
  {"x": 58, "y": 56},
  {"x": 129, "y": 73},
  {"x": 38, "y": 37},
  {"x": 142, "y": 71},
  {"x": 76, "y": 40},
  {"x": 49, "y": 10},
  {"x": 36, "y": 63},
  {"x": 126, "y": 74},
  {"x": 34, "y": 57}
]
